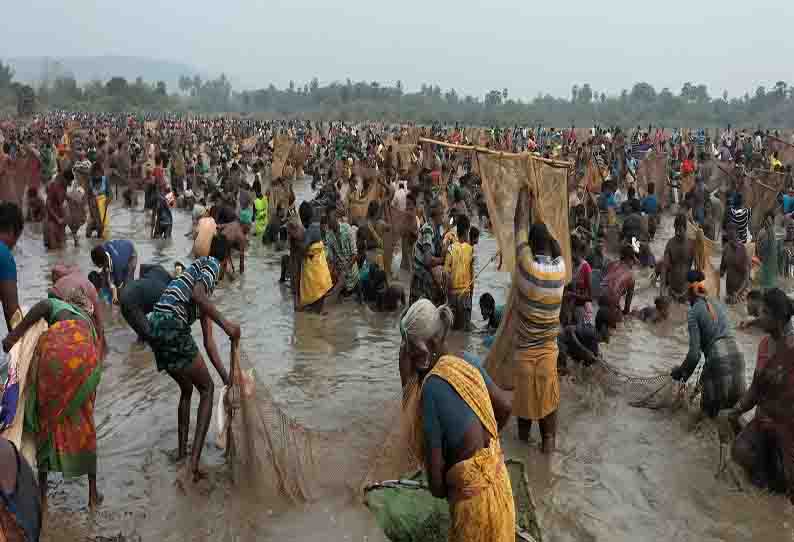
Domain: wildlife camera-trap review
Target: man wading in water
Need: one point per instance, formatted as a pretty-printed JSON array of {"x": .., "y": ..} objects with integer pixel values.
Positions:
[
  {"x": 679, "y": 254},
  {"x": 735, "y": 267},
  {"x": 185, "y": 300}
]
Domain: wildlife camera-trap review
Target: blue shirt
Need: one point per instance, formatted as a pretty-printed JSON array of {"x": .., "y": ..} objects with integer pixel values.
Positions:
[
  {"x": 445, "y": 415},
  {"x": 788, "y": 204},
  {"x": 607, "y": 201},
  {"x": 177, "y": 299},
  {"x": 120, "y": 253},
  {"x": 650, "y": 204},
  {"x": 8, "y": 266}
]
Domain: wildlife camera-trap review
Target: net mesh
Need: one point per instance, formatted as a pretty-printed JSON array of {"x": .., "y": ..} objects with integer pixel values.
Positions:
[
  {"x": 282, "y": 145},
  {"x": 760, "y": 195}
]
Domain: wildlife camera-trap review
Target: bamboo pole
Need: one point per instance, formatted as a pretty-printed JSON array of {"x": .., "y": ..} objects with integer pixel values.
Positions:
[{"x": 484, "y": 150}]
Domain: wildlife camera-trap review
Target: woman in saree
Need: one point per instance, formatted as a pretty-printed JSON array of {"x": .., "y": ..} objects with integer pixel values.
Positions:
[
  {"x": 765, "y": 447},
  {"x": 711, "y": 332},
  {"x": 429, "y": 258},
  {"x": 65, "y": 377},
  {"x": 98, "y": 195},
  {"x": 456, "y": 428}
]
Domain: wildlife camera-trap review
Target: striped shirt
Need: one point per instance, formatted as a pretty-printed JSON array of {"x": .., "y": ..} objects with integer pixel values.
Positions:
[
  {"x": 540, "y": 281},
  {"x": 177, "y": 299},
  {"x": 741, "y": 219}
]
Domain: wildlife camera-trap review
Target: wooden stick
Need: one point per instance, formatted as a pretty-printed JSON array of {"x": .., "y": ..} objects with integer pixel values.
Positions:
[{"x": 483, "y": 150}]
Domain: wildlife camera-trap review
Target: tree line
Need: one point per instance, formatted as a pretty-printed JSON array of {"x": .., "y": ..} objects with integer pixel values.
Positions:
[{"x": 691, "y": 106}]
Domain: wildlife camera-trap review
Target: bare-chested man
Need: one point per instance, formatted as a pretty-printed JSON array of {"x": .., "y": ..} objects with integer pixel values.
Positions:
[
  {"x": 679, "y": 254},
  {"x": 735, "y": 267}
]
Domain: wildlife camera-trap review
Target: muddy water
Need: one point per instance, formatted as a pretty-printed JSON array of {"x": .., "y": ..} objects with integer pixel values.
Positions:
[{"x": 619, "y": 474}]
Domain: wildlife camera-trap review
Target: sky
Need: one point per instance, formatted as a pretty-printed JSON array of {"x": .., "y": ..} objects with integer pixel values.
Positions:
[{"x": 528, "y": 47}]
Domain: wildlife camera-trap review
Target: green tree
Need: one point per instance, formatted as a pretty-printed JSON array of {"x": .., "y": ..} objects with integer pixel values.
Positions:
[
  {"x": 643, "y": 93},
  {"x": 6, "y": 75},
  {"x": 185, "y": 84},
  {"x": 116, "y": 86},
  {"x": 586, "y": 94}
]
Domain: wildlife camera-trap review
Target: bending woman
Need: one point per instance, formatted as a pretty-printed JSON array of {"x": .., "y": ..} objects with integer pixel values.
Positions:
[
  {"x": 457, "y": 427},
  {"x": 65, "y": 379},
  {"x": 711, "y": 332},
  {"x": 765, "y": 448}
]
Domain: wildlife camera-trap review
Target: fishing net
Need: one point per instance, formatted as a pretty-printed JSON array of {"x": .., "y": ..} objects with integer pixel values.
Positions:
[
  {"x": 404, "y": 157},
  {"x": 785, "y": 150},
  {"x": 276, "y": 457},
  {"x": 653, "y": 169},
  {"x": 502, "y": 176},
  {"x": 282, "y": 145},
  {"x": 705, "y": 248},
  {"x": 761, "y": 196},
  {"x": 593, "y": 176},
  {"x": 357, "y": 207}
]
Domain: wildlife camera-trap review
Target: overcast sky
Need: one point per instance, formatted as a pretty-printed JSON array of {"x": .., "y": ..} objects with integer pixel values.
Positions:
[{"x": 526, "y": 46}]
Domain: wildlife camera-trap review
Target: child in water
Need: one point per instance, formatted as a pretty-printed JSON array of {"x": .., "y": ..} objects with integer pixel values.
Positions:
[{"x": 656, "y": 314}]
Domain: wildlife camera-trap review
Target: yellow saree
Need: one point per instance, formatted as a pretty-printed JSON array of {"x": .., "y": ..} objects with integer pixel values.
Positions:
[{"x": 480, "y": 496}]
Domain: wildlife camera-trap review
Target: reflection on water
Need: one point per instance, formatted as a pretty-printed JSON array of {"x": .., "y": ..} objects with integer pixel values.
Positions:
[{"x": 620, "y": 473}]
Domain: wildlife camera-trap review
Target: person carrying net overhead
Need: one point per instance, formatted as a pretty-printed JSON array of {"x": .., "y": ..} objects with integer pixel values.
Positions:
[
  {"x": 456, "y": 428},
  {"x": 185, "y": 300},
  {"x": 539, "y": 283}
]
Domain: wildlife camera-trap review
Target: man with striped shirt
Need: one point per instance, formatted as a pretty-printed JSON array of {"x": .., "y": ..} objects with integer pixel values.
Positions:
[
  {"x": 740, "y": 217},
  {"x": 185, "y": 300},
  {"x": 539, "y": 282}
]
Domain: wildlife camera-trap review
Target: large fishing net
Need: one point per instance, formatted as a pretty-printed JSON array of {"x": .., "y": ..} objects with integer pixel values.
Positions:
[
  {"x": 760, "y": 195},
  {"x": 653, "y": 169},
  {"x": 502, "y": 176},
  {"x": 282, "y": 145}
]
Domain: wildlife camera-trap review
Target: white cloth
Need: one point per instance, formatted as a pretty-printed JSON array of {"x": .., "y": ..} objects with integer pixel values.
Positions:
[
  {"x": 399, "y": 200},
  {"x": 423, "y": 321}
]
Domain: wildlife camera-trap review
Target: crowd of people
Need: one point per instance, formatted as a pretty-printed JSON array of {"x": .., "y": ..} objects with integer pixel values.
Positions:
[{"x": 381, "y": 190}]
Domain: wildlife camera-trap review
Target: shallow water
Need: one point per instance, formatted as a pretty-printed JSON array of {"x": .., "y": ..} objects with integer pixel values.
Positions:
[{"x": 620, "y": 473}]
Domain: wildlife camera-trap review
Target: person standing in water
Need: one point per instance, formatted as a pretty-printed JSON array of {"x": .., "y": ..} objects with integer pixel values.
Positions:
[
  {"x": 540, "y": 282},
  {"x": 769, "y": 251},
  {"x": 185, "y": 300},
  {"x": 261, "y": 206},
  {"x": 11, "y": 225},
  {"x": 735, "y": 267},
  {"x": 55, "y": 227},
  {"x": 68, "y": 372},
  {"x": 765, "y": 447},
  {"x": 457, "y": 418},
  {"x": 617, "y": 284},
  {"x": 679, "y": 255}
]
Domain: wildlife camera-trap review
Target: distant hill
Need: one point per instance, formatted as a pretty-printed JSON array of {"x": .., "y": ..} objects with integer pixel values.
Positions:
[{"x": 33, "y": 70}]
